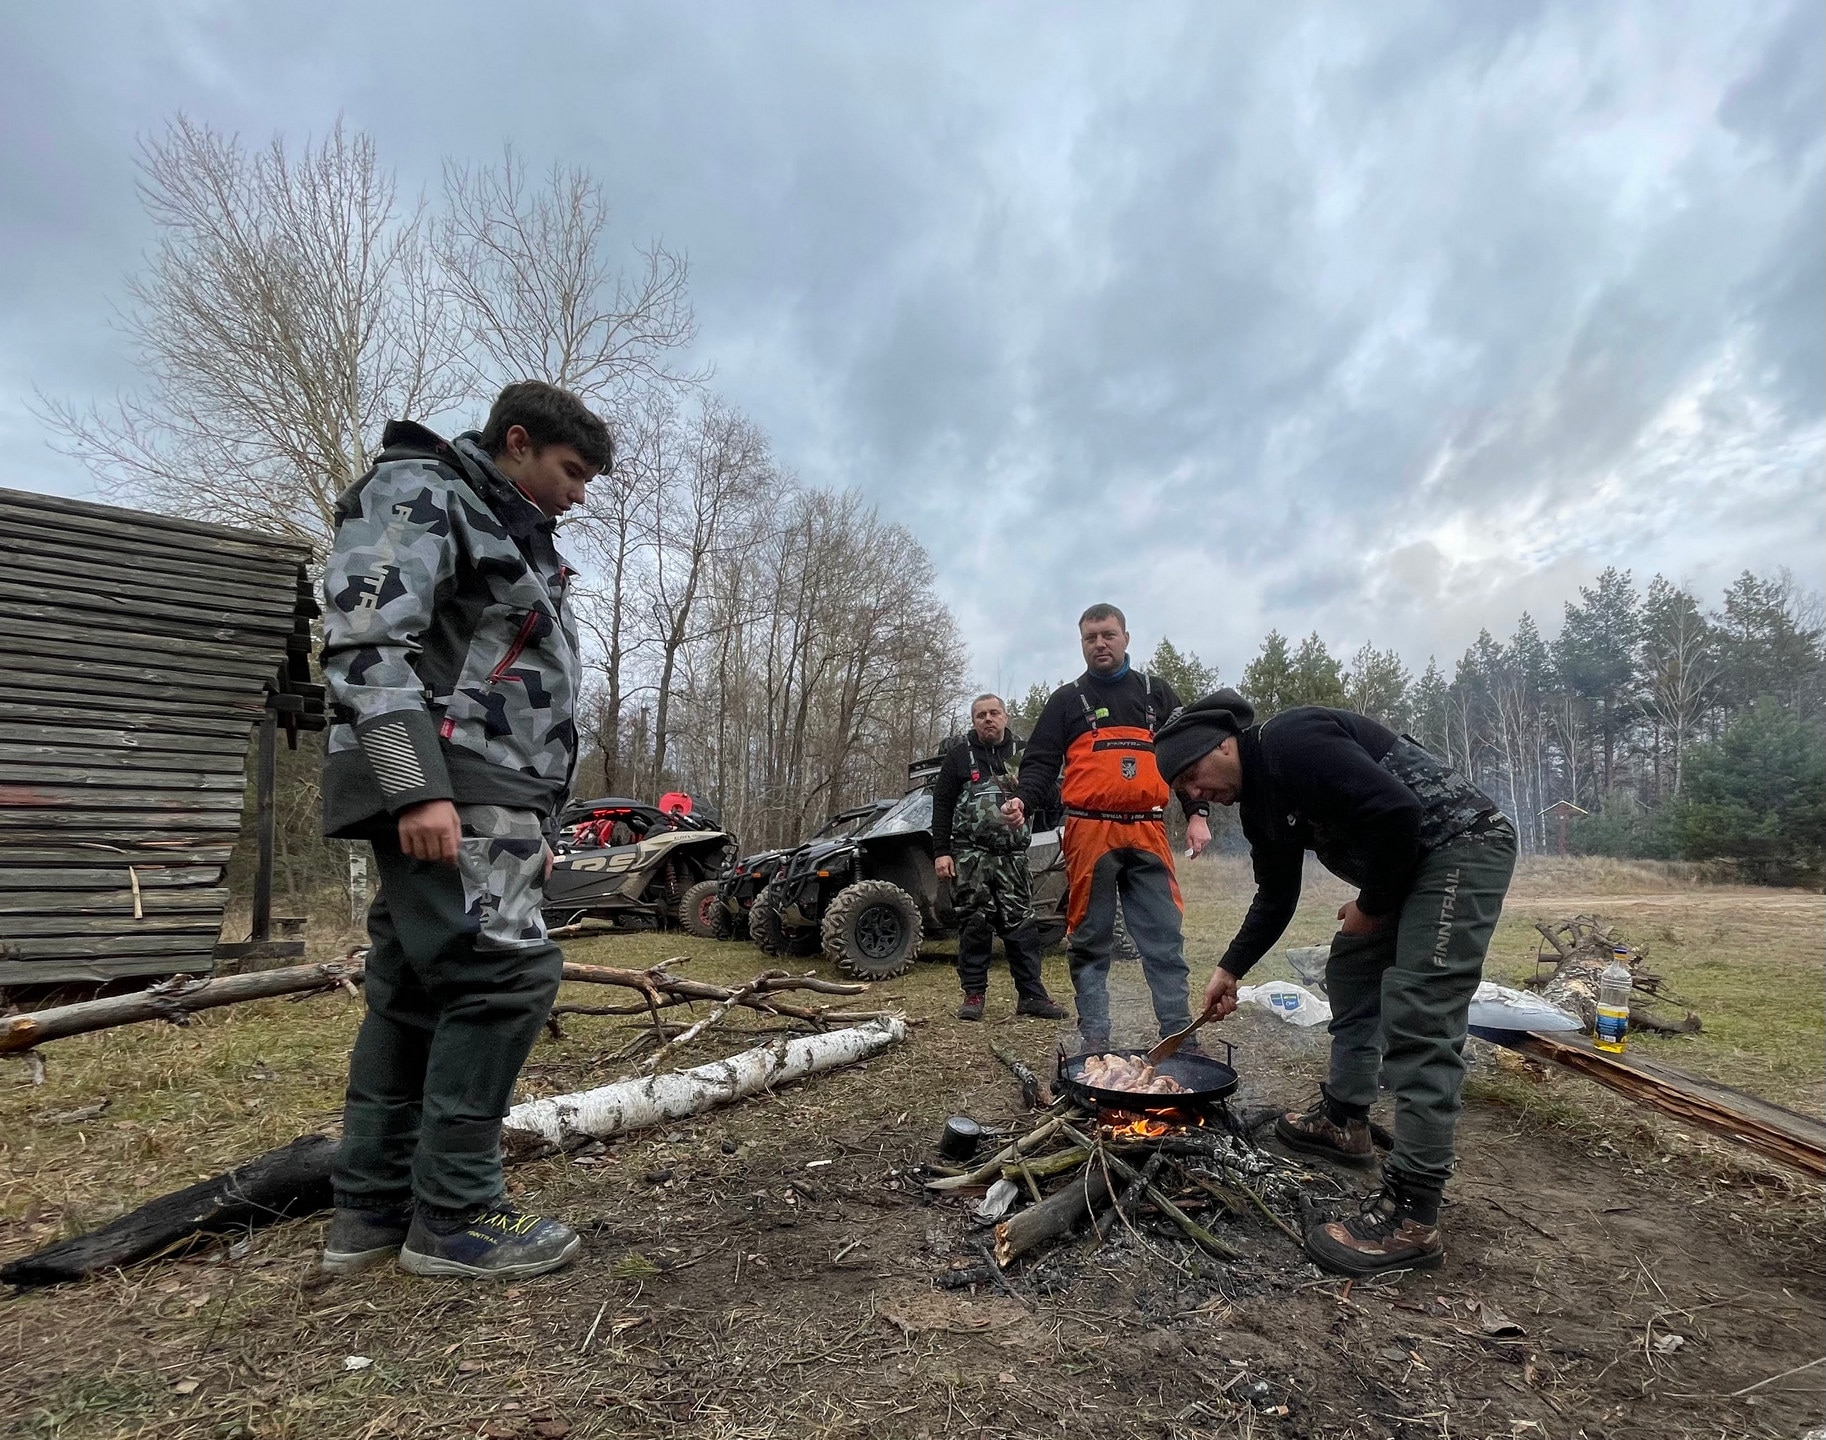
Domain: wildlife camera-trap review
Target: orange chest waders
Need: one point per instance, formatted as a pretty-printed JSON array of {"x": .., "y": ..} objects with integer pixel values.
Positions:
[{"x": 1115, "y": 799}]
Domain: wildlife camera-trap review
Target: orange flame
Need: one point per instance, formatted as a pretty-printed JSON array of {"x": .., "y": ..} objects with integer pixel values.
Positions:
[{"x": 1121, "y": 1125}]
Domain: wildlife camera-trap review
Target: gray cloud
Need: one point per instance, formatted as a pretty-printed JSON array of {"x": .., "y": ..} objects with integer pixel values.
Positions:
[{"x": 1386, "y": 321}]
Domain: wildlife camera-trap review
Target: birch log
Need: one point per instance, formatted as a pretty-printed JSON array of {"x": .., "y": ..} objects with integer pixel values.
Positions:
[{"x": 655, "y": 1099}]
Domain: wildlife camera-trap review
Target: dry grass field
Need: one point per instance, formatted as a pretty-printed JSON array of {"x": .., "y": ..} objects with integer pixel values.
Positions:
[{"x": 719, "y": 1299}]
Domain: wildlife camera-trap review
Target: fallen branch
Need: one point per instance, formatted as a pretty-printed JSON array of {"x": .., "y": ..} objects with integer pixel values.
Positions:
[
  {"x": 173, "y": 1000},
  {"x": 637, "y": 1104},
  {"x": 294, "y": 1180},
  {"x": 1221, "y": 1192},
  {"x": 1130, "y": 1199},
  {"x": 661, "y": 991},
  {"x": 1035, "y": 1093},
  {"x": 1769, "y": 1129},
  {"x": 290, "y": 1181},
  {"x": 992, "y": 1167},
  {"x": 691, "y": 1032}
]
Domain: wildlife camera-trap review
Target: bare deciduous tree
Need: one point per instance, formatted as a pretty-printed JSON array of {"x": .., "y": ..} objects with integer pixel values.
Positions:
[
  {"x": 527, "y": 269},
  {"x": 290, "y": 308},
  {"x": 707, "y": 472}
]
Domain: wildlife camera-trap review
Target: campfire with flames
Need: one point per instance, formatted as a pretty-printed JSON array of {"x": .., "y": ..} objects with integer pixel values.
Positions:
[{"x": 1174, "y": 1163}]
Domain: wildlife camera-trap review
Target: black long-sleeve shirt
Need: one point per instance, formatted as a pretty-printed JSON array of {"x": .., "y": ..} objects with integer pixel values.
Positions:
[
  {"x": 1063, "y": 720},
  {"x": 1314, "y": 779},
  {"x": 955, "y": 773}
]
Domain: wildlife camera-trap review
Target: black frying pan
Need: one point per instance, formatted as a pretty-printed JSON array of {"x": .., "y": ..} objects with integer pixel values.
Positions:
[{"x": 1206, "y": 1081}]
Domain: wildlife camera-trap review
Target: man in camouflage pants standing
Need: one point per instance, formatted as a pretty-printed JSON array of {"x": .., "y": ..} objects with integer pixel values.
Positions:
[
  {"x": 985, "y": 858},
  {"x": 451, "y": 661}
]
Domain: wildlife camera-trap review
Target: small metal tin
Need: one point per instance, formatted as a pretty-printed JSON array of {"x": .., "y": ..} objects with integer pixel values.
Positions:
[{"x": 961, "y": 1138}]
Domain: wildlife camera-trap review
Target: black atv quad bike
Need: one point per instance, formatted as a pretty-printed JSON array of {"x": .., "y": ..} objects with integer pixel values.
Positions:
[
  {"x": 869, "y": 900},
  {"x": 746, "y": 877}
]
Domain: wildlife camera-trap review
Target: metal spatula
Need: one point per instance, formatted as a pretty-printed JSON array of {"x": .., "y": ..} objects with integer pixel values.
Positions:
[{"x": 1172, "y": 1042}]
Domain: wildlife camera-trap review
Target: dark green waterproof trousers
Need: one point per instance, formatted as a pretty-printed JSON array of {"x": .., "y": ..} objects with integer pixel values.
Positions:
[
  {"x": 1399, "y": 999},
  {"x": 460, "y": 978}
]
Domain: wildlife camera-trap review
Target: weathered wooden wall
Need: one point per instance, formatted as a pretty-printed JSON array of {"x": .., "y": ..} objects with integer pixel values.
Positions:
[{"x": 137, "y": 653}]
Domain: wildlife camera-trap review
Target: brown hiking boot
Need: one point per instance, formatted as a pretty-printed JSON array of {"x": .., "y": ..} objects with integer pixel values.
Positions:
[
  {"x": 971, "y": 1009},
  {"x": 1327, "y": 1129},
  {"x": 1395, "y": 1230},
  {"x": 1040, "y": 1007}
]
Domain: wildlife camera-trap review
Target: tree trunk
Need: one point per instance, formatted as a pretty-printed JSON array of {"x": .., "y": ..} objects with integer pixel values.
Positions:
[
  {"x": 1054, "y": 1217},
  {"x": 290, "y": 1181},
  {"x": 637, "y": 1104}
]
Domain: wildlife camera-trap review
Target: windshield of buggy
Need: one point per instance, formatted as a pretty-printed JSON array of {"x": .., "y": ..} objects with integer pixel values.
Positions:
[{"x": 912, "y": 812}]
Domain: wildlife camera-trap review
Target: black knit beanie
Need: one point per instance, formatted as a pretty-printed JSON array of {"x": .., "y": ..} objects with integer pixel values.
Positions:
[{"x": 1195, "y": 730}]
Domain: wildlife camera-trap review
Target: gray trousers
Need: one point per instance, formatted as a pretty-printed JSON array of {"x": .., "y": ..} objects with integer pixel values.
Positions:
[
  {"x": 1400, "y": 997},
  {"x": 460, "y": 979},
  {"x": 1145, "y": 886}
]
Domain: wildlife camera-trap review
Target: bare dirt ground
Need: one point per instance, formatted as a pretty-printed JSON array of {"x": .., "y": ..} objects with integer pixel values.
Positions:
[{"x": 734, "y": 1287}]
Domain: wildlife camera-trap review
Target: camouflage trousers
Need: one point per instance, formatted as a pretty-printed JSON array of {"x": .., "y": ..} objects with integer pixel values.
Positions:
[
  {"x": 460, "y": 978},
  {"x": 993, "y": 895}
]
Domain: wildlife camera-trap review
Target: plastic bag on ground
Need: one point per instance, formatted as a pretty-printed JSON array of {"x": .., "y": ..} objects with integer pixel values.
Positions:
[
  {"x": 1293, "y": 1003},
  {"x": 1498, "y": 1007},
  {"x": 998, "y": 1202}
]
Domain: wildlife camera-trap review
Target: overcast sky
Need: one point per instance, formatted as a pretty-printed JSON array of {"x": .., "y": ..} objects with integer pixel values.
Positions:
[{"x": 1386, "y": 320}]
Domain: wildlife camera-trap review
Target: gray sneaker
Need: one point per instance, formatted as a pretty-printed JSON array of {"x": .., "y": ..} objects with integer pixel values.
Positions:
[
  {"x": 359, "y": 1239},
  {"x": 499, "y": 1244}
]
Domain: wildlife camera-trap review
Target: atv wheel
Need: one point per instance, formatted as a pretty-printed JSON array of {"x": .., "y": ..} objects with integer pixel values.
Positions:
[
  {"x": 872, "y": 930},
  {"x": 770, "y": 934},
  {"x": 698, "y": 910}
]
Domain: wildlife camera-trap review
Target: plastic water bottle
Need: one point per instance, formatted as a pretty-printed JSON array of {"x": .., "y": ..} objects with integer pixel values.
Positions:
[{"x": 1611, "y": 1023}]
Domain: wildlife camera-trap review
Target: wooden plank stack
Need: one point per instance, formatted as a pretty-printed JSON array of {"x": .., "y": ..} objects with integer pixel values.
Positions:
[{"x": 137, "y": 654}]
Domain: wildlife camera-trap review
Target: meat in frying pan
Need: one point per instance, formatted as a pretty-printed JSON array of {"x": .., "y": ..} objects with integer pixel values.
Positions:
[{"x": 1128, "y": 1072}]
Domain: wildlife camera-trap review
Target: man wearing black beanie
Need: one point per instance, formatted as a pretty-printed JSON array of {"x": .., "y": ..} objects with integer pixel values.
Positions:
[{"x": 1432, "y": 857}]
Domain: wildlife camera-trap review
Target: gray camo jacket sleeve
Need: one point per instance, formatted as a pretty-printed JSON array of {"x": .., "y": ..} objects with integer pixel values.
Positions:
[{"x": 381, "y": 582}]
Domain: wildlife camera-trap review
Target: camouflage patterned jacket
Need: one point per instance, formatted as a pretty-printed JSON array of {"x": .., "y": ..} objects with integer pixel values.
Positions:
[{"x": 449, "y": 653}]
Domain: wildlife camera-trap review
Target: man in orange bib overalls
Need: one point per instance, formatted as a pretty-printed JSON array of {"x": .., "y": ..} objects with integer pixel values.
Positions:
[{"x": 1099, "y": 730}]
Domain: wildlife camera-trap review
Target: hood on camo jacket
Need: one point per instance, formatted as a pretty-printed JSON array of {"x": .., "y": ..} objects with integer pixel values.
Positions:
[{"x": 449, "y": 652}]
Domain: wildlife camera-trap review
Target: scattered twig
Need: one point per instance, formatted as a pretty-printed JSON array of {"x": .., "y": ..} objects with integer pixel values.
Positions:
[
  {"x": 1035, "y": 1093},
  {"x": 1796, "y": 1370}
]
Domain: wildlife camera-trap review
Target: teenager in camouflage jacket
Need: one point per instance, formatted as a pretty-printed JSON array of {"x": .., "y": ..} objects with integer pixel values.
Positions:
[
  {"x": 451, "y": 662},
  {"x": 450, "y": 652}
]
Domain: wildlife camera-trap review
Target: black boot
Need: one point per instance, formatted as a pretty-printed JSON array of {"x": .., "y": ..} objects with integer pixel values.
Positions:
[{"x": 1397, "y": 1228}]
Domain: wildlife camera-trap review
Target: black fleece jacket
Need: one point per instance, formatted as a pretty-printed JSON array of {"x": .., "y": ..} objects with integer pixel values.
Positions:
[{"x": 1312, "y": 780}]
